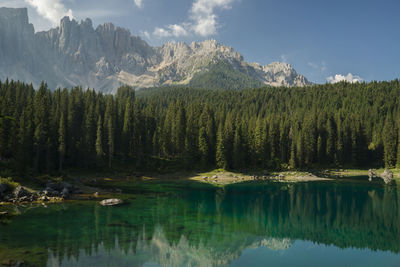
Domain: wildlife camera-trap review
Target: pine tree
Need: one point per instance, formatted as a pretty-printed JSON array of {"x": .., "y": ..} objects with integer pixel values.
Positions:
[
  {"x": 127, "y": 130},
  {"x": 179, "y": 129},
  {"x": 238, "y": 149},
  {"x": 398, "y": 150},
  {"x": 41, "y": 120},
  {"x": 300, "y": 151},
  {"x": 389, "y": 142},
  {"x": 331, "y": 139},
  {"x": 222, "y": 161},
  {"x": 61, "y": 142},
  {"x": 203, "y": 146},
  {"x": 99, "y": 140},
  {"x": 23, "y": 143},
  {"x": 259, "y": 142},
  {"x": 109, "y": 122}
]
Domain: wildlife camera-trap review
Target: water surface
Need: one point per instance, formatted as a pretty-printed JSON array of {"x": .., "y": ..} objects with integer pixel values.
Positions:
[{"x": 188, "y": 224}]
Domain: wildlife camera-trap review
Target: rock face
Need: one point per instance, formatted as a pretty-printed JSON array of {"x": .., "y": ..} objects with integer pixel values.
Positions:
[{"x": 76, "y": 54}]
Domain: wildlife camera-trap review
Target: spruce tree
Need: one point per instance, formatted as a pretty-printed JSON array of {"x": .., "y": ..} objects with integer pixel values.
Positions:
[
  {"x": 99, "y": 140},
  {"x": 389, "y": 142},
  {"x": 109, "y": 125},
  {"x": 61, "y": 142},
  {"x": 222, "y": 161}
]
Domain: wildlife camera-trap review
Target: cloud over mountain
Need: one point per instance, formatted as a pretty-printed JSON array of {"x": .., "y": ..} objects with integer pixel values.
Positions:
[
  {"x": 53, "y": 10},
  {"x": 348, "y": 78},
  {"x": 203, "y": 20}
]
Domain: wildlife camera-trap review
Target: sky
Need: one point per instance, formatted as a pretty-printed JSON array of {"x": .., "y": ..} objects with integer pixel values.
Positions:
[{"x": 325, "y": 40}]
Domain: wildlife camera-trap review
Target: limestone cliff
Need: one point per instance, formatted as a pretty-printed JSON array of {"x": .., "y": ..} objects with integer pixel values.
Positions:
[{"x": 75, "y": 53}]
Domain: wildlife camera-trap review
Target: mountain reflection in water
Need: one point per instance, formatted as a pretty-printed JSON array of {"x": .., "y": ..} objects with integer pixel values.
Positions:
[{"x": 193, "y": 226}]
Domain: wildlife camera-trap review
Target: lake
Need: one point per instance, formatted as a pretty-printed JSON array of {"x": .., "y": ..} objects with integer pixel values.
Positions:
[{"x": 193, "y": 224}]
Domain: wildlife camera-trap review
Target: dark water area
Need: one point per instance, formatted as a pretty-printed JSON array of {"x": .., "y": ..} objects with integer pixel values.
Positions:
[{"x": 188, "y": 224}]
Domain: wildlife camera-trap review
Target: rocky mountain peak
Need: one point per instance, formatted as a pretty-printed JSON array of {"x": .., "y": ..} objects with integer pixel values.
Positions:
[{"x": 106, "y": 57}]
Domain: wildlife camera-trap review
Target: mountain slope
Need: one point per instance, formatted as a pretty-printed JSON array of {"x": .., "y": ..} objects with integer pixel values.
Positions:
[
  {"x": 222, "y": 75},
  {"x": 107, "y": 57}
]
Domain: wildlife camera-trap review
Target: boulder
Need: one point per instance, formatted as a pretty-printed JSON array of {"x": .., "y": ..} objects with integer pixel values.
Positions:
[
  {"x": 62, "y": 189},
  {"x": 54, "y": 186},
  {"x": 20, "y": 192},
  {"x": 387, "y": 176},
  {"x": 49, "y": 192},
  {"x": 59, "y": 186},
  {"x": 67, "y": 186},
  {"x": 111, "y": 202},
  {"x": 65, "y": 192},
  {"x": 371, "y": 174},
  {"x": 44, "y": 198}
]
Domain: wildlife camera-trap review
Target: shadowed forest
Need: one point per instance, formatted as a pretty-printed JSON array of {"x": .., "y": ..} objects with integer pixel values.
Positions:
[{"x": 331, "y": 125}]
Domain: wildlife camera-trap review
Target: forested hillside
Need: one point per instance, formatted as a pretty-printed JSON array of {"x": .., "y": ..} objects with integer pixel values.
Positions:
[
  {"x": 223, "y": 76},
  {"x": 331, "y": 125}
]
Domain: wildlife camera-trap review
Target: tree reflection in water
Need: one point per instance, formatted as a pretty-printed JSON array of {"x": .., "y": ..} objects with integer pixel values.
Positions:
[{"x": 207, "y": 227}]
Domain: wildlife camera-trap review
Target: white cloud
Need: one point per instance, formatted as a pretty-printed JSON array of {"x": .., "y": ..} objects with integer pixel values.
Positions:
[
  {"x": 52, "y": 10},
  {"x": 203, "y": 20},
  {"x": 138, "y": 3},
  {"x": 161, "y": 33},
  {"x": 203, "y": 15},
  {"x": 146, "y": 34},
  {"x": 348, "y": 78},
  {"x": 174, "y": 30},
  {"x": 178, "y": 30}
]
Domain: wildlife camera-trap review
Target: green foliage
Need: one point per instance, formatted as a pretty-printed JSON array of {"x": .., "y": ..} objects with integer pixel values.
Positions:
[
  {"x": 222, "y": 75},
  {"x": 328, "y": 125}
]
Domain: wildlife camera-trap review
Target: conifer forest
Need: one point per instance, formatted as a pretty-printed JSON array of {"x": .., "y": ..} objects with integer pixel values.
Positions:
[{"x": 331, "y": 125}]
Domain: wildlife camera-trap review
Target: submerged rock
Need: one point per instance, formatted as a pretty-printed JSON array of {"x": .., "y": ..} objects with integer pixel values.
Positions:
[
  {"x": 111, "y": 202},
  {"x": 62, "y": 189}
]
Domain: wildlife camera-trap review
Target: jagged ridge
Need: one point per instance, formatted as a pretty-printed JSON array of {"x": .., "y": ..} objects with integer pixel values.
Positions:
[{"x": 107, "y": 57}]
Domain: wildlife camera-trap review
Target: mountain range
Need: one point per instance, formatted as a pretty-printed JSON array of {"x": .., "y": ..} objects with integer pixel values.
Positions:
[{"x": 106, "y": 57}]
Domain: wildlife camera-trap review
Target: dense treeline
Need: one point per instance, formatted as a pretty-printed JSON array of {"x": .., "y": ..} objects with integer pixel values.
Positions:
[{"x": 323, "y": 125}]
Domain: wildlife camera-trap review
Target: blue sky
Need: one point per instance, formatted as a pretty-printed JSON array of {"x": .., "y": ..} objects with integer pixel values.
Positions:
[{"x": 324, "y": 40}]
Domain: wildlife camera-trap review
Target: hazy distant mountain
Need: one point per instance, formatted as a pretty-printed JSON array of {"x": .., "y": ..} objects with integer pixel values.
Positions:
[{"x": 108, "y": 56}]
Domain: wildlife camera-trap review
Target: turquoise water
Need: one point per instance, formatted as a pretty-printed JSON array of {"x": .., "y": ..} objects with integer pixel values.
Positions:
[{"x": 171, "y": 224}]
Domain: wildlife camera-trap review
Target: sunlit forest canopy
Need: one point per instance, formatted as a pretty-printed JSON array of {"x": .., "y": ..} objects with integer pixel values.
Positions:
[{"x": 334, "y": 125}]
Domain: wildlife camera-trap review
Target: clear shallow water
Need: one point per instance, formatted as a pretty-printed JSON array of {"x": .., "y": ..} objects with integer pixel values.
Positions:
[{"x": 167, "y": 224}]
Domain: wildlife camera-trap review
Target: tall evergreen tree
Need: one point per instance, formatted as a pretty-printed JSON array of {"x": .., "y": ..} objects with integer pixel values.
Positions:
[
  {"x": 99, "y": 140},
  {"x": 62, "y": 142},
  {"x": 389, "y": 142}
]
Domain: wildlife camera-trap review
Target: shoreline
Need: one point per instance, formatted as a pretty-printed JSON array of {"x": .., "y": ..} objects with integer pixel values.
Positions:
[{"x": 95, "y": 186}]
